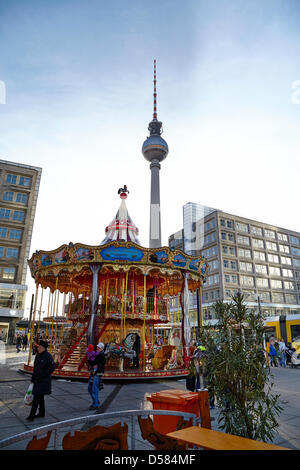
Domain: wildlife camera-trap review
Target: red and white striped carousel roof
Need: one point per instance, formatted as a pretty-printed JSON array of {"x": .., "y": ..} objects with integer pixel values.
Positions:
[{"x": 122, "y": 227}]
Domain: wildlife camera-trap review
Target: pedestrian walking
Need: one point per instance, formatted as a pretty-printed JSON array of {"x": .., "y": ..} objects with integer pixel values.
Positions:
[
  {"x": 41, "y": 379},
  {"x": 24, "y": 342},
  {"x": 273, "y": 354},
  {"x": 282, "y": 349},
  {"x": 96, "y": 372},
  {"x": 18, "y": 343}
]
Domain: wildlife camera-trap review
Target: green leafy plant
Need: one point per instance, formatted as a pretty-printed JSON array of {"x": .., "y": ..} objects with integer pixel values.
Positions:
[{"x": 238, "y": 375}]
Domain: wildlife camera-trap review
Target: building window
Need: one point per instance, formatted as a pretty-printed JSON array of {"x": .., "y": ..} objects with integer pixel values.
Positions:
[
  {"x": 4, "y": 213},
  {"x": 271, "y": 246},
  {"x": 295, "y": 251},
  {"x": 231, "y": 278},
  {"x": 269, "y": 233},
  {"x": 210, "y": 252},
  {"x": 273, "y": 258},
  {"x": 3, "y": 232},
  {"x": 243, "y": 240},
  {"x": 213, "y": 279},
  {"x": 244, "y": 253},
  {"x": 287, "y": 273},
  {"x": 296, "y": 262},
  {"x": 214, "y": 264},
  {"x": 19, "y": 216},
  {"x": 11, "y": 179},
  {"x": 294, "y": 240},
  {"x": 264, "y": 296},
  {"x": 256, "y": 243},
  {"x": 15, "y": 234},
  {"x": 246, "y": 267},
  {"x": 247, "y": 280},
  {"x": 210, "y": 238},
  {"x": 227, "y": 236},
  {"x": 209, "y": 225},
  {"x": 12, "y": 253},
  {"x": 286, "y": 260},
  {"x": 241, "y": 227},
  {"x": 262, "y": 282},
  {"x": 282, "y": 237},
  {"x": 277, "y": 297},
  {"x": 228, "y": 250},
  {"x": 25, "y": 181},
  {"x": 259, "y": 255},
  {"x": 226, "y": 223},
  {"x": 8, "y": 273},
  {"x": 261, "y": 269},
  {"x": 289, "y": 285},
  {"x": 22, "y": 198},
  {"x": 276, "y": 284},
  {"x": 290, "y": 298},
  {"x": 8, "y": 196},
  {"x": 256, "y": 231},
  {"x": 230, "y": 264},
  {"x": 284, "y": 248},
  {"x": 1, "y": 251},
  {"x": 274, "y": 271}
]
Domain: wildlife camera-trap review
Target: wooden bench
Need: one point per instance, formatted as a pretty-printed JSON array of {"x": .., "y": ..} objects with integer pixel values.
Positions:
[{"x": 216, "y": 440}]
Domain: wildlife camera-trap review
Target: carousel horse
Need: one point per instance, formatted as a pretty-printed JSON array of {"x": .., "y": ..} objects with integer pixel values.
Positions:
[{"x": 118, "y": 351}]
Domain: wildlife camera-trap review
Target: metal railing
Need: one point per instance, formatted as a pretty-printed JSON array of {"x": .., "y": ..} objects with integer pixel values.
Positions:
[{"x": 123, "y": 416}]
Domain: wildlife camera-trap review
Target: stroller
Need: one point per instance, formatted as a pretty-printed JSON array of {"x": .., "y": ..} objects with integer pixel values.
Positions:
[{"x": 292, "y": 358}]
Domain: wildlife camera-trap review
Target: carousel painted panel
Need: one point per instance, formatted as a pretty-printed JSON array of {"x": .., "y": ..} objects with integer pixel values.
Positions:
[{"x": 122, "y": 253}]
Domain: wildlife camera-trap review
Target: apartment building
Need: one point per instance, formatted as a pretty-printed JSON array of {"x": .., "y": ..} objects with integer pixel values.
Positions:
[
  {"x": 257, "y": 259},
  {"x": 19, "y": 187}
]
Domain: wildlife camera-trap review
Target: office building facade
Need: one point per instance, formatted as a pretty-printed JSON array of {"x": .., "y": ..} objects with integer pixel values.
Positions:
[
  {"x": 259, "y": 260},
  {"x": 19, "y": 187}
]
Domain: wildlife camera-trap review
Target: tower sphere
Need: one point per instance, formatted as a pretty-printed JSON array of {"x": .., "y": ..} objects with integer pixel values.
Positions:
[{"x": 155, "y": 148}]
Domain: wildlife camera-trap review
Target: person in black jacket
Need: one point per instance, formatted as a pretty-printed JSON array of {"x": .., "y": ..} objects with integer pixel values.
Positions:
[
  {"x": 41, "y": 379},
  {"x": 96, "y": 372}
]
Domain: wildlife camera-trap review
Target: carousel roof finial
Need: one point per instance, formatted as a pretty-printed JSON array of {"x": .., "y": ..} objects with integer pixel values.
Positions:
[
  {"x": 123, "y": 191},
  {"x": 122, "y": 227}
]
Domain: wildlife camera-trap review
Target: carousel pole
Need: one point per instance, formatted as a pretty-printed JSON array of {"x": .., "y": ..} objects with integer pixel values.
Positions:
[
  {"x": 95, "y": 268},
  {"x": 122, "y": 309},
  {"x": 53, "y": 314},
  {"x": 40, "y": 311},
  {"x": 55, "y": 333},
  {"x": 125, "y": 300},
  {"x": 32, "y": 325},
  {"x": 47, "y": 325},
  {"x": 144, "y": 326}
]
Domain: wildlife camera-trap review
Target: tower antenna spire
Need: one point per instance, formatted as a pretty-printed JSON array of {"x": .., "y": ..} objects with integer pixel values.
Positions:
[{"x": 154, "y": 94}]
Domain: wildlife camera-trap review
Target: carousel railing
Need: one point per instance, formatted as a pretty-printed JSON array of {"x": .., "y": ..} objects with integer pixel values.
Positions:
[
  {"x": 72, "y": 348},
  {"x": 60, "y": 428}
]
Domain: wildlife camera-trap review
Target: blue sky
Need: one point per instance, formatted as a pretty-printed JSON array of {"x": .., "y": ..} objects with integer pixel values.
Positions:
[{"x": 79, "y": 91}]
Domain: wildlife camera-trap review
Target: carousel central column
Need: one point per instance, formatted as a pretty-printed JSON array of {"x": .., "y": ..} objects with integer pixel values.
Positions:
[{"x": 95, "y": 268}]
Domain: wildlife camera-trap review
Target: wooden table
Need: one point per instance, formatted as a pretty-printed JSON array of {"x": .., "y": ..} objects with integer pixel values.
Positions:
[{"x": 216, "y": 440}]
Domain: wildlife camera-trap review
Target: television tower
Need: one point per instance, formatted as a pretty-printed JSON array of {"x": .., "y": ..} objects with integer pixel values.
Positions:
[{"x": 155, "y": 149}]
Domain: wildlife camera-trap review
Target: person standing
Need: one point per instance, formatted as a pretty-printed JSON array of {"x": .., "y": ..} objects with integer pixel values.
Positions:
[
  {"x": 18, "y": 343},
  {"x": 24, "y": 342},
  {"x": 282, "y": 349},
  {"x": 137, "y": 348},
  {"x": 96, "y": 372},
  {"x": 41, "y": 379}
]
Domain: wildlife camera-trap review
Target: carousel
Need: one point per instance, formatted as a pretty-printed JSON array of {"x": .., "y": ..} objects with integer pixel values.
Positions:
[{"x": 135, "y": 300}]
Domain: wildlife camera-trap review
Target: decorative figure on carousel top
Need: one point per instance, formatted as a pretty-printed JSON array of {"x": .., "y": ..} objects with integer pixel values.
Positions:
[{"x": 123, "y": 191}]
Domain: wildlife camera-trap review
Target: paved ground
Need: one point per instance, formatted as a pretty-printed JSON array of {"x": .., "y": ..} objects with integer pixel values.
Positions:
[{"x": 71, "y": 400}]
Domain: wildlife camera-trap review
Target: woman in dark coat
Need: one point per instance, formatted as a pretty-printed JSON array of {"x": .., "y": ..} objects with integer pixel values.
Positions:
[{"x": 41, "y": 379}]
